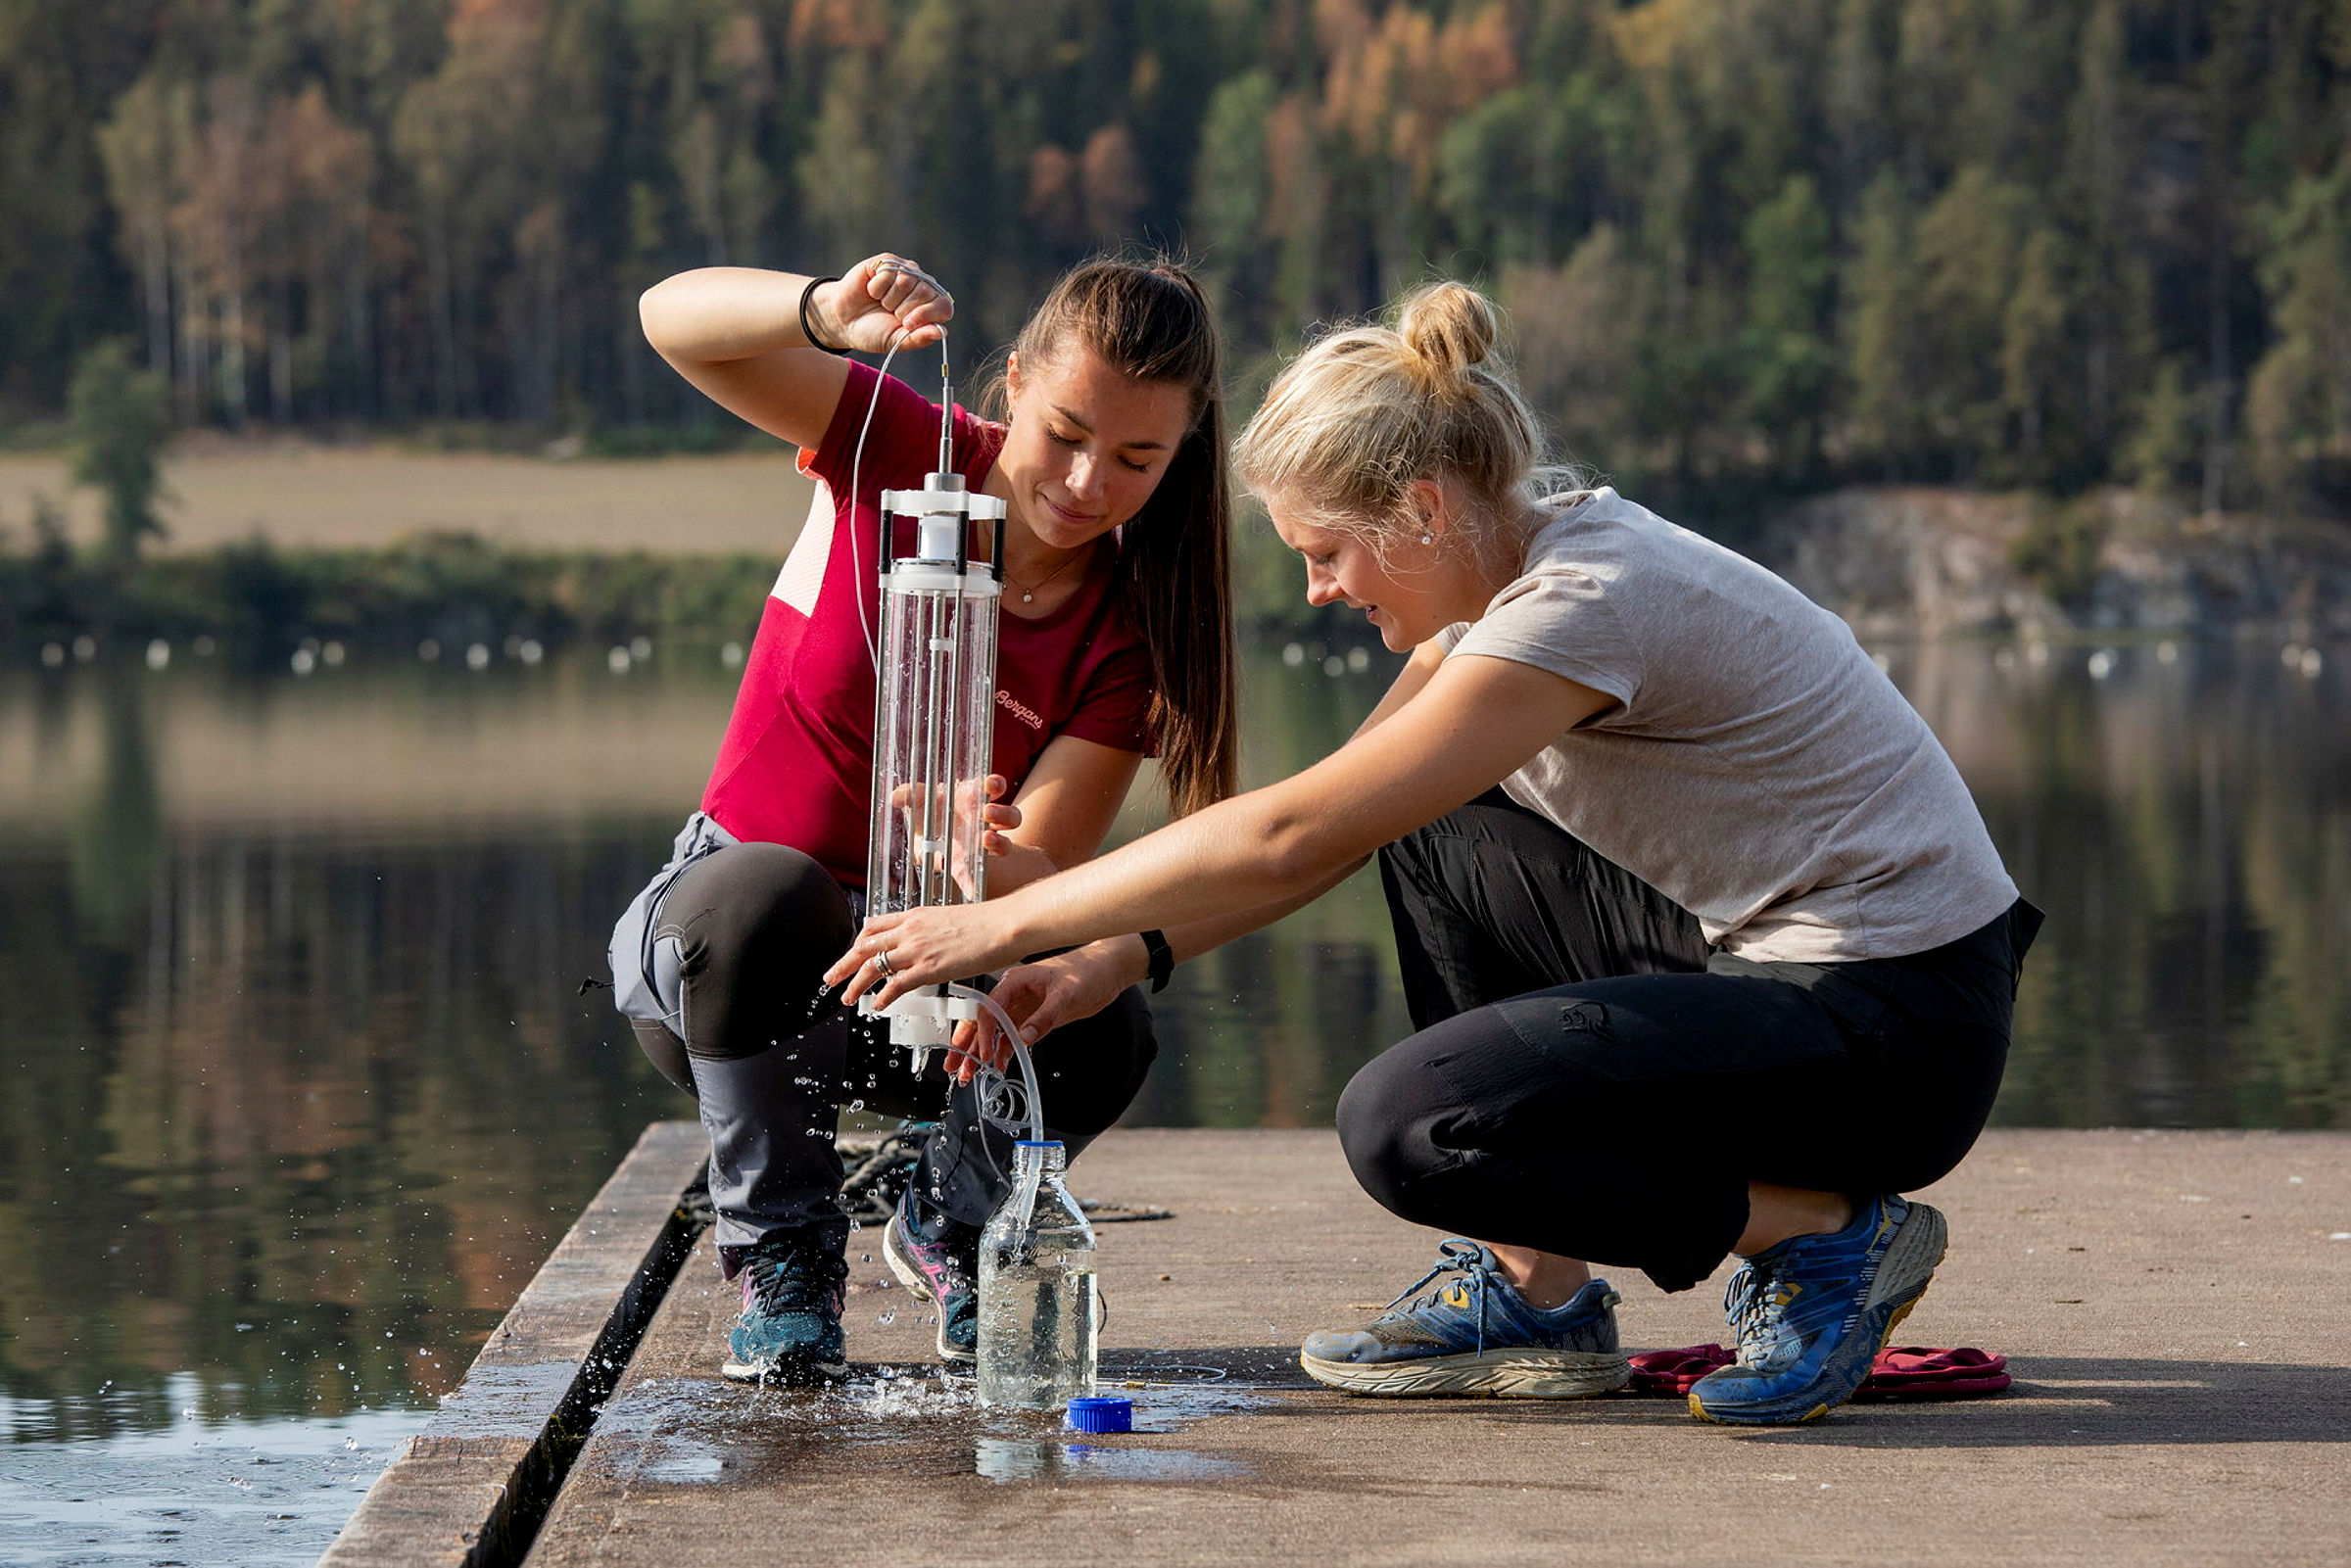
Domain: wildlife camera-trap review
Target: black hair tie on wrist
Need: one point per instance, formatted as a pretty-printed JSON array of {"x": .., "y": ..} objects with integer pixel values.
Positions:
[
  {"x": 808, "y": 332},
  {"x": 1163, "y": 959}
]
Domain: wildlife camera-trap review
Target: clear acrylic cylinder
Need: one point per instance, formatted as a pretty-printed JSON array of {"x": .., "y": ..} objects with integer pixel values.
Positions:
[{"x": 934, "y": 728}]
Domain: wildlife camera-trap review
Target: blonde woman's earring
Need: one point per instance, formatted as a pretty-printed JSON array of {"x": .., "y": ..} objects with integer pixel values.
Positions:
[{"x": 1428, "y": 539}]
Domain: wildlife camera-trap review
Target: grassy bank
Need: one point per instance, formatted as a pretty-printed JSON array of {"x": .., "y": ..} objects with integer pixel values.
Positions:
[
  {"x": 454, "y": 588},
  {"x": 264, "y": 599}
]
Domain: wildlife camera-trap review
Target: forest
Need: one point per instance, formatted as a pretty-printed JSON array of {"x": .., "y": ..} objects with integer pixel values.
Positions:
[{"x": 1745, "y": 244}]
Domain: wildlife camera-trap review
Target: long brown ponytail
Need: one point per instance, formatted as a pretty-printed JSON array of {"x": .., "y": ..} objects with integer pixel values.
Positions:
[{"x": 1148, "y": 320}]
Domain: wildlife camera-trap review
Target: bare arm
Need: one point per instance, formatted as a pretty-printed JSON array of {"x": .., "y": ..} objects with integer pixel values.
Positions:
[
  {"x": 1195, "y": 937},
  {"x": 1043, "y": 995},
  {"x": 1066, "y": 806},
  {"x": 734, "y": 332},
  {"x": 1471, "y": 724},
  {"x": 1126, "y": 961}
]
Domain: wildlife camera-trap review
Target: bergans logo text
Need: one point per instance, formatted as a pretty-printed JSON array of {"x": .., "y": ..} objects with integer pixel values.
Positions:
[{"x": 1018, "y": 710}]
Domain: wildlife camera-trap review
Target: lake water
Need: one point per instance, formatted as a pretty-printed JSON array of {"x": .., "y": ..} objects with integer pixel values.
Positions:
[{"x": 299, "y": 1085}]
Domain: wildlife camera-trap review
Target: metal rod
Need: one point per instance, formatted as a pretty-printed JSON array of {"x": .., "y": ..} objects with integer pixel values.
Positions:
[
  {"x": 935, "y": 766},
  {"x": 947, "y": 413},
  {"x": 953, "y": 740}
]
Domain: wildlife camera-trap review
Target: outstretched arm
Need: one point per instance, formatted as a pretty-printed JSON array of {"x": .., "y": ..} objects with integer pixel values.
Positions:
[
  {"x": 1475, "y": 722},
  {"x": 1044, "y": 994}
]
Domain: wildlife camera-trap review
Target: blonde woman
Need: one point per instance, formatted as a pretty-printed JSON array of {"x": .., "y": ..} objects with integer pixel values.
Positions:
[{"x": 1682, "y": 885}]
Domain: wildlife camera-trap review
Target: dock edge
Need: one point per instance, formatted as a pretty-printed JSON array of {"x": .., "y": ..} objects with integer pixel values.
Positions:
[{"x": 471, "y": 1490}]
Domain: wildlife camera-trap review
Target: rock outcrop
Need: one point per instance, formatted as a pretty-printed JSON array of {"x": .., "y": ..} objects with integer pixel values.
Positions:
[{"x": 1927, "y": 563}]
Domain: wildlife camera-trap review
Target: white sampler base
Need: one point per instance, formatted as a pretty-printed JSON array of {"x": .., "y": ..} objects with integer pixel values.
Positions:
[{"x": 924, "y": 1021}]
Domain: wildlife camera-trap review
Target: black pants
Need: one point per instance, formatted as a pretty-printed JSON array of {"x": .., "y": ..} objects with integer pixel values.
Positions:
[
  {"x": 768, "y": 1051},
  {"x": 1590, "y": 1080}
]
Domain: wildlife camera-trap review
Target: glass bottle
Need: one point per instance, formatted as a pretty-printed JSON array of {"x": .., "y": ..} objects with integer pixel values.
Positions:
[{"x": 1038, "y": 1297}]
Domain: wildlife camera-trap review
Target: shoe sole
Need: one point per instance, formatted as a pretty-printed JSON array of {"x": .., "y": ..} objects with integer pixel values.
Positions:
[
  {"x": 786, "y": 1374},
  {"x": 911, "y": 1277},
  {"x": 1513, "y": 1374},
  {"x": 1901, "y": 1281}
]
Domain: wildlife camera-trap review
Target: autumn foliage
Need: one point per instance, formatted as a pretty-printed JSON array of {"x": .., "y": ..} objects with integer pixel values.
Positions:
[{"x": 1746, "y": 242}]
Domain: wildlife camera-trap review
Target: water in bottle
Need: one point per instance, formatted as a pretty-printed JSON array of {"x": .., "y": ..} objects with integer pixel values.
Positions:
[{"x": 1036, "y": 1290}]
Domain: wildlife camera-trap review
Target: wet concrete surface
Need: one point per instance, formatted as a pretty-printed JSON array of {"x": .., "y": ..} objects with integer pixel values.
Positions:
[{"x": 2172, "y": 1305}]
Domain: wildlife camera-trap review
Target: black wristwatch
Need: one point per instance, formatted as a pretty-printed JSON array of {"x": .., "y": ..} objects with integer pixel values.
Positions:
[{"x": 1163, "y": 959}]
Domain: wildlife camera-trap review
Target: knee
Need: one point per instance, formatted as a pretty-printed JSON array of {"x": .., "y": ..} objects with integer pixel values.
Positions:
[
  {"x": 757, "y": 903},
  {"x": 1383, "y": 1125},
  {"x": 756, "y": 925}
]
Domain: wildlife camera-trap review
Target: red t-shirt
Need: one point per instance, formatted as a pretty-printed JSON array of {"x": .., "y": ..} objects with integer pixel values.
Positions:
[{"x": 797, "y": 764}]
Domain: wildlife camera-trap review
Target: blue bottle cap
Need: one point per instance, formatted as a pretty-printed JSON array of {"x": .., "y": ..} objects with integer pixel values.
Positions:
[
  {"x": 1036, "y": 1143},
  {"x": 1105, "y": 1413}
]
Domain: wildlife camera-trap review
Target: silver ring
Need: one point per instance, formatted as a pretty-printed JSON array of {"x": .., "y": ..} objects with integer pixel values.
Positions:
[{"x": 882, "y": 961}]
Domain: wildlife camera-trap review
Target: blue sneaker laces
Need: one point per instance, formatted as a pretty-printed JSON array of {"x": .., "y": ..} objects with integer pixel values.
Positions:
[{"x": 1455, "y": 1255}]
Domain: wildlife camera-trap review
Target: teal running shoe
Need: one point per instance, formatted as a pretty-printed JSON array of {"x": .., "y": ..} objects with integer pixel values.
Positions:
[
  {"x": 1469, "y": 1332},
  {"x": 789, "y": 1330},
  {"x": 1812, "y": 1313}
]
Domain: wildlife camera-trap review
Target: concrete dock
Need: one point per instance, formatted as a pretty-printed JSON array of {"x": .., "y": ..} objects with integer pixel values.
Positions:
[{"x": 2173, "y": 1306}]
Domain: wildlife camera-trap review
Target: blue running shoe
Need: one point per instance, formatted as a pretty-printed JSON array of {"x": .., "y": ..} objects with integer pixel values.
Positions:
[
  {"x": 789, "y": 1330},
  {"x": 1469, "y": 1332},
  {"x": 1812, "y": 1314},
  {"x": 937, "y": 1258}
]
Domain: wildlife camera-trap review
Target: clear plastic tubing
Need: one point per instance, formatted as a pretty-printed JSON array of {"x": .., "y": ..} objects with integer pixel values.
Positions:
[{"x": 1020, "y": 1054}]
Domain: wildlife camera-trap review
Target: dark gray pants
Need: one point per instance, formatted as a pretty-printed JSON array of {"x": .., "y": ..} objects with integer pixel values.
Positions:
[
  {"x": 769, "y": 1052},
  {"x": 1590, "y": 1082}
]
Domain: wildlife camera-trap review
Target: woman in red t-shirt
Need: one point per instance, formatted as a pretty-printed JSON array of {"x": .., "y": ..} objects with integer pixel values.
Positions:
[{"x": 1114, "y": 643}]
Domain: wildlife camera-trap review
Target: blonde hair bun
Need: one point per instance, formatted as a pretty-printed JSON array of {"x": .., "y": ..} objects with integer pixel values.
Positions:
[
  {"x": 1363, "y": 415},
  {"x": 1449, "y": 328}
]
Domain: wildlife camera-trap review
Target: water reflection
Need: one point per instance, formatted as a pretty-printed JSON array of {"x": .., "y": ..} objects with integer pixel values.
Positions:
[
  {"x": 2184, "y": 814},
  {"x": 300, "y": 1087}
]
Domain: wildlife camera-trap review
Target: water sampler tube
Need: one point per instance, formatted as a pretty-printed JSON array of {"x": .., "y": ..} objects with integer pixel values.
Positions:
[
  {"x": 935, "y": 710},
  {"x": 934, "y": 688}
]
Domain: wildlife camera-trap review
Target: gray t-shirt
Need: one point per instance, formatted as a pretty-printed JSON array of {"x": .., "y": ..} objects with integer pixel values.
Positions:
[{"x": 1756, "y": 767}]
